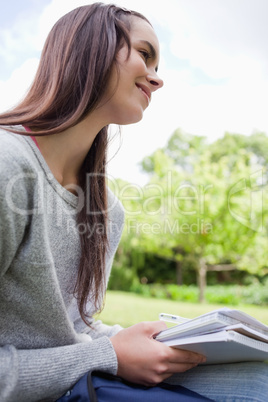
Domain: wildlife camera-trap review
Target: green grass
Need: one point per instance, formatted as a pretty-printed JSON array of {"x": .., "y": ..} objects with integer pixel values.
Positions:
[{"x": 128, "y": 308}]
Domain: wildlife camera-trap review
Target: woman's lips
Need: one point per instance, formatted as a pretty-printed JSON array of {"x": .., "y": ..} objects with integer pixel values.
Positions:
[{"x": 145, "y": 90}]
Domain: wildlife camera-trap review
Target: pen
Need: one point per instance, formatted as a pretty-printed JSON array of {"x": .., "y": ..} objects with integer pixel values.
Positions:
[{"x": 172, "y": 318}]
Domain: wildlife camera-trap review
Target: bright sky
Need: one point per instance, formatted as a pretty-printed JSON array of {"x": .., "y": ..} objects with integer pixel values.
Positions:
[{"x": 214, "y": 61}]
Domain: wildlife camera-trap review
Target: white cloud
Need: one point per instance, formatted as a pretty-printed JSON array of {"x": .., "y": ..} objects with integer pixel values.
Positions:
[
  {"x": 16, "y": 86},
  {"x": 54, "y": 11}
]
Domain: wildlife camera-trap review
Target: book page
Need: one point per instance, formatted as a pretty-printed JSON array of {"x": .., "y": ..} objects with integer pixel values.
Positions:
[{"x": 214, "y": 321}]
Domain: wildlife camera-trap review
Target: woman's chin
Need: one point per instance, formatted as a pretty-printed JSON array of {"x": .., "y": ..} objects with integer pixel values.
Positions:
[{"x": 134, "y": 118}]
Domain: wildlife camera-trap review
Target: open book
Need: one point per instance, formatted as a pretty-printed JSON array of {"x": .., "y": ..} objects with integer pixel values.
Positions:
[{"x": 223, "y": 336}]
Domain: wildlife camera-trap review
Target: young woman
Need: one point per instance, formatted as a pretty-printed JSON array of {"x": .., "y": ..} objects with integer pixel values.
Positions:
[{"x": 60, "y": 225}]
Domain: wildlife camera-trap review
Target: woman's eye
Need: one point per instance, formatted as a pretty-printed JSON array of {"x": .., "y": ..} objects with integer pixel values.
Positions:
[{"x": 145, "y": 54}]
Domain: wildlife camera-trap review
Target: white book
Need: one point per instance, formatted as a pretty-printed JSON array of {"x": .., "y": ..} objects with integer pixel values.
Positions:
[{"x": 223, "y": 336}]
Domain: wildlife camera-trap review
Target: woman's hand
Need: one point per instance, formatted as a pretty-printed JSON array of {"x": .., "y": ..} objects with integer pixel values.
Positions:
[{"x": 143, "y": 360}]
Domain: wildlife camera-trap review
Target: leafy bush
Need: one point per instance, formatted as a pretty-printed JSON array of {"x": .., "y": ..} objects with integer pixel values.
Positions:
[
  {"x": 140, "y": 289},
  {"x": 126, "y": 279},
  {"x": 183, "y": 293},
  {"x": 223, "y": 295},
  {"x": 121, "y": 279},
  {"x": 219, "y": 294},
  {"x": 255, "y": 294}
]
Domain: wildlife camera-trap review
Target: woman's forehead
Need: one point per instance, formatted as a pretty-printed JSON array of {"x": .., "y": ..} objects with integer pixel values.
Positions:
[{"x": 142, "y": 31}]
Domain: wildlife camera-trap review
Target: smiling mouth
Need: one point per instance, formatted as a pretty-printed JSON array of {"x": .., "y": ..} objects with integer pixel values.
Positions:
[{"x": 145, "y": 92}]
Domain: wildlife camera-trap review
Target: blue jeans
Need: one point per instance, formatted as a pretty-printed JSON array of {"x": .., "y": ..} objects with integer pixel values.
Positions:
[{"x": 239, "y": 382}]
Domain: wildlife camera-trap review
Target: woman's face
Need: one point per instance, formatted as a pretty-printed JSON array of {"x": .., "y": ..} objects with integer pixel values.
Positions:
[{"x": 129, "y": 94}]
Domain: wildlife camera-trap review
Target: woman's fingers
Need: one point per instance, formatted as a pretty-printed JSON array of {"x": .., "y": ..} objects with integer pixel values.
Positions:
[
  {"x": 185, "y": 356},
  {"x": 144, "y": 360}
]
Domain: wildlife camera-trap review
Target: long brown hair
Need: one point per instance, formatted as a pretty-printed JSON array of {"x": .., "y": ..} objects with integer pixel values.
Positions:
[{"x": 73, "y": 73}]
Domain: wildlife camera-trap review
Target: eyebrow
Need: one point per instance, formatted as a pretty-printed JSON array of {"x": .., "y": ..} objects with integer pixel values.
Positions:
[{"x": 152, "y": 50}]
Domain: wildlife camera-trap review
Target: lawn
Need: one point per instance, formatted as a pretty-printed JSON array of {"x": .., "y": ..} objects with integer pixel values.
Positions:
[{"x": 127, "y": 309}]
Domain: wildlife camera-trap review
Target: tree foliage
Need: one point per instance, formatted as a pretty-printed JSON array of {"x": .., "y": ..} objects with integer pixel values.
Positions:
[{"x": 205, "y": 204}]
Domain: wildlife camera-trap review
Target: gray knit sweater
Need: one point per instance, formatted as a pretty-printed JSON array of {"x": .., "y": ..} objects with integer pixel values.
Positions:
[{"x": 45, "y": 347}]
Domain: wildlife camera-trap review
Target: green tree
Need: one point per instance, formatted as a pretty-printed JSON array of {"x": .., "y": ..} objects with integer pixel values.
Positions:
[{"x": 204, "y": 203}]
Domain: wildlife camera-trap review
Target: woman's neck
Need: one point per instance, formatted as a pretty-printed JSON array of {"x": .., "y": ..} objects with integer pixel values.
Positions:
[{"x": 65, "y": 152}]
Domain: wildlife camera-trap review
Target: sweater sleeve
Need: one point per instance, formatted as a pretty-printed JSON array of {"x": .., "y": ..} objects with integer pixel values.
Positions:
[
  {"x": 14, "y": 211},
  {"x": 46, "y": 374}
]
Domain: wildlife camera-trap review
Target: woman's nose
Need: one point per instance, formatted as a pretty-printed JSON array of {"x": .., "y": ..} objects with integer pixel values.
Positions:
[{"x": 155, "y": 81}]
